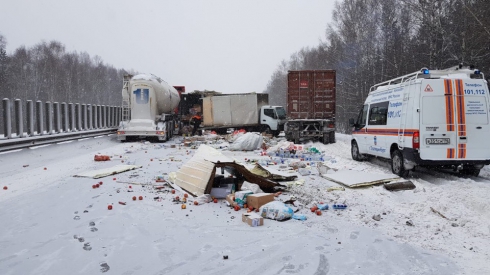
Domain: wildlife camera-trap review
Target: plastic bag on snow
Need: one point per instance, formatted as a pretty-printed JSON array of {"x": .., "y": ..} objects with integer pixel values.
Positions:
[{"x": 276, "y": 210}]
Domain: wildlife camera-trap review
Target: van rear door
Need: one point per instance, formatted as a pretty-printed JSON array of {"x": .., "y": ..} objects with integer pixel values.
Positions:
[{"x": 454, "y": 119}]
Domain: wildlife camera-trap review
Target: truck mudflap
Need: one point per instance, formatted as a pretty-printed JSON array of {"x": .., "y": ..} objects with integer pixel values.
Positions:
[{"x": 412, "y": 157}]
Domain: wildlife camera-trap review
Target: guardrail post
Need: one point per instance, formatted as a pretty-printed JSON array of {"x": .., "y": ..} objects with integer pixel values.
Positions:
[
  {"x": 89, "y": 117},
  {"x": 96, "y": 114},
  {"x": 30, "y": 117},
  {"x": 119, "y": 116},
  {"x": 57, "y": 120},
  {"x": 111, "y": 116},
  {"x": 84, "y": 116},
  {"x": 102, "y": 116},
  {"x": 7, "y": 119},
  {"x": 71, "y": 113},
  {"x": 19, "y": 119},
  {"x": 106, "y": 116},
  {"x": 39, "y": 117},
  {"x": 65, "y": 118},
  {"x": 78, "y": 116},
  {"x": 49, "y": 117},
  {"x": 99, "y": 118}
]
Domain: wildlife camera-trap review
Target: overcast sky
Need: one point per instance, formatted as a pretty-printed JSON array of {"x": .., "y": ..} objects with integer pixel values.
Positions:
[{"x": 224, "y": 45}]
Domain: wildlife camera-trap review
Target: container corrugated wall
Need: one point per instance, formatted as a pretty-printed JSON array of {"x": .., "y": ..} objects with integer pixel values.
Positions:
[{"x": 311, "y": 94}]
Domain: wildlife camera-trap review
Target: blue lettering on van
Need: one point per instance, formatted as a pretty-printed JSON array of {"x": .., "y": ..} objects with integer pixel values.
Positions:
[
  {"x": 142, "y": 97},
  {"x": 394, "y": 114},
  {"x": 377, "y": 149},
  {"x": 395, "y": 104},
  {"x": 473, "y": 85}
]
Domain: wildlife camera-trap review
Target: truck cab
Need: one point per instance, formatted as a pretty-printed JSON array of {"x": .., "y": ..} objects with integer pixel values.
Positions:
[{"x": 273, "y": 118}]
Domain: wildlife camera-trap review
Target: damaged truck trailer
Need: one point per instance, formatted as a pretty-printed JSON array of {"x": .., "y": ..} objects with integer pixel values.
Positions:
[
  {"x": 311, "y": 106},
  {"x": 251, "y": 112}
]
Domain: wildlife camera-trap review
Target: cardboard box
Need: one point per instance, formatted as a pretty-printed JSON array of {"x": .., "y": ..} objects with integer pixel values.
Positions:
[
  {"x": 222, "y": 191},
  {"x": 257, "y": 200},
  {"x": 252, "y": 219}
]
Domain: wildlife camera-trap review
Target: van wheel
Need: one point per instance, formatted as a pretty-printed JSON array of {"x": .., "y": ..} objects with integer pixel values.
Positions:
[
  {"x": 470, "y": 171},
  {"x": 397, "y": 166},
  {"x": 354, "y": 150}
]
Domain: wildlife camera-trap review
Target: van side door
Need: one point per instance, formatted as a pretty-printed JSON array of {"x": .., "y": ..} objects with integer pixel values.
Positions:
[{"x": 376, "y": 129}]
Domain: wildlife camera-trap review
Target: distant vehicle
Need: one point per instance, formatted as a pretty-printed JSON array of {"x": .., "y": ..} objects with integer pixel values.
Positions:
[
  {"x": 311, "y": 106},
  {"x": 434, "y": 118},
  {"x": 148, "y": 108},
  {"x": 250, "y": 111}
]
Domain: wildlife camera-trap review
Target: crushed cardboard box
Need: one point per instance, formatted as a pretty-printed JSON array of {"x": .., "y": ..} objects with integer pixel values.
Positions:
[
  {"x": 252, "y": 219},
  {"x": 257, "y": 200}
]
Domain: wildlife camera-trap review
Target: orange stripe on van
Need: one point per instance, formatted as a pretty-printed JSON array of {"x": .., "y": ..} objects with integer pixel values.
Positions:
[
  {"x": 448, "y": 92},
  {"x": 451, "y": 153},
  {"x": 461, "y": 151},
  {"x": 460, "y": 108}
]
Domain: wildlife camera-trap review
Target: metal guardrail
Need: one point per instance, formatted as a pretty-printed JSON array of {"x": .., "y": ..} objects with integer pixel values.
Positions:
[
  {"x": 26, "y": 142},
  {"x": 43, "y": 123}
]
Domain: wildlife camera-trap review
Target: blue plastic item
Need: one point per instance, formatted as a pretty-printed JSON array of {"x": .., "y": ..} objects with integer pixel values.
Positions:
[
  {"x": 339, "y": 206},
  {"x": 300, "y": 217},
  {"x": 322, "y": 206}
]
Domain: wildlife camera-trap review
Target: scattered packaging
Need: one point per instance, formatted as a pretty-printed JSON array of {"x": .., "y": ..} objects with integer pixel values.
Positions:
[
  {"x": 252, "y": 219},
  {"x": 276, "y": 210},
  {"x": 257, "y": 200},
  {"x": 101, "y": 158},
  {"x": 241, "y": 197},
  {"x": 222, "y": 191},
  {"x": 230, "y": 199}
]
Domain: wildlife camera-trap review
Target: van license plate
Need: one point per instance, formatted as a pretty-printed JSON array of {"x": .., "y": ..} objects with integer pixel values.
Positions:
[{"x": 435, "y": 141}]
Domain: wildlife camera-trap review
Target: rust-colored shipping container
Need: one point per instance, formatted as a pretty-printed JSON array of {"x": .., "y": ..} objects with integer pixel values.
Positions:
[
  {"x": 311, "y": 106},
  {"x": 311, "y": 94}
]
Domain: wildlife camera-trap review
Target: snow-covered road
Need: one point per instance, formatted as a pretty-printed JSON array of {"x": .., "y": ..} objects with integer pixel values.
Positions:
[{"x": 54, "y": 223}]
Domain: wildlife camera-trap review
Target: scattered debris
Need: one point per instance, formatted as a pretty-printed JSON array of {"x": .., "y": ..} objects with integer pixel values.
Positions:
[
  {"x": 101, "y": 158},
  {"x": 335, "y": 188},
  {"x": 377, "y": 217},
  {"x": 339, "y": 206},
  {"x": 352, "y": 178},
  {"x": 438, "y": 213},
  {"x": 400, "y": 185},
  {"x": 95, "y": 174},
  {"x": 409, "y": 223}
]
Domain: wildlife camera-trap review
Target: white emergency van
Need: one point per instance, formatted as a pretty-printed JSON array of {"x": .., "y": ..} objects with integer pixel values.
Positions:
[{"x": 434, "y": 118}]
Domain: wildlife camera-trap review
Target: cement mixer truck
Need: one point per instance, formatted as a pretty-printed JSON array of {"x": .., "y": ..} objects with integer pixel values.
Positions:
[{"x": 148, "y": 108}]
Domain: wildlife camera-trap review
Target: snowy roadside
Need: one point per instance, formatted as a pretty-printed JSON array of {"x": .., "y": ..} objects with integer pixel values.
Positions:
[{"x": 41, "y": 206}]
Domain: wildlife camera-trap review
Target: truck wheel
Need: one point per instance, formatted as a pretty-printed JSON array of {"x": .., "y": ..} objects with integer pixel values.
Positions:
[
  {"x": 397, "y": 166},
  {"x": 354, "y": 150},
  {"x": 326, "y": 138},
  {"x": 267, "y": 130},
  {"x": 331, "y": 138},
  {"x": 470, "y": 171}
]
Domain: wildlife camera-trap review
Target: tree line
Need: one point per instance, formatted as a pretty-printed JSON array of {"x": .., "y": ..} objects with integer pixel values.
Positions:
[
  {"x": 371, "y": 41},
  {"x": 47, "y": 72}
]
